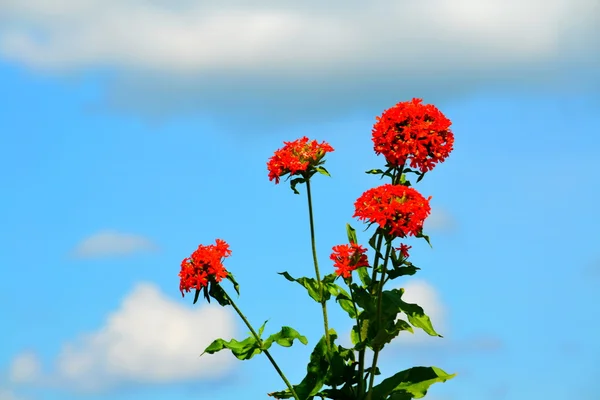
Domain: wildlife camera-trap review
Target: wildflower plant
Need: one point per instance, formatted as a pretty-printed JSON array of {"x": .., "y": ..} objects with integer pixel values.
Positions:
[{"x": 413, "y": 138}]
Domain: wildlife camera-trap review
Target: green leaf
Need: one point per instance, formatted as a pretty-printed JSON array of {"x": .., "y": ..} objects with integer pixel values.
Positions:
[
  {"x": 243, "y": 350},
  {"x": 416, "y": 315},
  {"x": 341, "y": 369},
  {"x": 196, "y": 296},
  {"x": 373, "y": 242},
  {"x": 345, "y": 393},
  {"x": 402, "y": 271},
  {"x": 231, "y": 279},
  {"x": 316, "y": 372},
  {"x": 285, "y": 337},
  {"x": 374, "y": 171},
  {"x": 421, "y": 235},
  {"x": 262, "y": 329},
  {"x": 295, "y": 182},
  {"x": 421, "y": 176},
  {"x": 386, "y": 335},
  {"x": 363, "y": 274},
  {"x": 351, "y": 232},
  {"x": 216, "y": 292},
  {"x": 396, "y": 262},
  {"x": 409, "y": 384},
  {"x": 364, "y": 331},
  {"x": 342, "y": 297},
  {"x": 368, "y": 371},
  {"x": 388, "y": 172},
  {"x": 364, "y": 299},
  {"x": 346, "y": 304},
  {"x": 323, "y": 171},
  {"x": 330, "y": 278},
  {"x": 310, "y": 284}
]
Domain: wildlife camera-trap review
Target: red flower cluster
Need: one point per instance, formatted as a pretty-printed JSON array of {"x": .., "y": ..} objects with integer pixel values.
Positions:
[
  {"x": 297, "y": 156},
  {"x": 413, "y": 130},
  {"x": 203, "y": 265},
  {"x": 347, "y": 258},
  {"x": 399, "y": 208}
]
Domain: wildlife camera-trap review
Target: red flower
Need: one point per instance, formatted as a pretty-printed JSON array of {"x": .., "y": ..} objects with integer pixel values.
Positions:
[
  {"x": 347, "y": 258},
  {"x": 413, "y": 130},
  {"x": 297, "y": 156},
  {"x": 399, "y": 209},
  {"x": 404, "y": 250},
  {"x": 203, "y": 265}
]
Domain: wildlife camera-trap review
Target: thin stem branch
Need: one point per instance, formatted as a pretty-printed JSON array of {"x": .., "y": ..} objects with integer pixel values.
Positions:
[
  {"x": 377, "y": 257},
  {"x": 260, "y": 343},
  {"x": 379, "y": 300},
  {"x": 316, "y": 263},
  {"x": 361, "y": 353}
]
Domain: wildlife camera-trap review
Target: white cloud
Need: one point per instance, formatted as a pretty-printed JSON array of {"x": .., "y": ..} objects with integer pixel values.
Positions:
[
  {"x": 439, "y": 220},
  {"x": 25, "y": 368},
  {"x": 112, "y": 243},
  {"x": 300, "y": 60},
  {"x": 149, "y": 339},
  {"x": 6, "y": 394},
  {"x": 292, "y": 38}
]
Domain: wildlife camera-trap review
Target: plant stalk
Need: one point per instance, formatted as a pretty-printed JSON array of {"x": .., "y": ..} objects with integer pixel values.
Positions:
[
  {"x": 379, "y": 300},
  {"x": 258, "y": 339},
  {"x": 316, "y": 263}
]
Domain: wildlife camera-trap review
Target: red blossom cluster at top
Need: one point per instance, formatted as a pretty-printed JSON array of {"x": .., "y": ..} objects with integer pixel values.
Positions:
[
  {"x": 348, "y": 257},
  {"x": 415, "y": 131},
  {"x": 297, "y": 156},
  {"x": 203, "y": 265},
  {"x": 399, "y": 208}
]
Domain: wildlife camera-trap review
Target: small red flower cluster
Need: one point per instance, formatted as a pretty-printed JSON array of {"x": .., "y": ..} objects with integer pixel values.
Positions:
[
  {"x": 348, "y": 257},
  {"x": 297, "y": 156},
  {"x": 203, "y": 265},
  {"x": 399, "y": 208},
  {"x": 413, "y": 130},
  {"x": 403, "y": 249}
]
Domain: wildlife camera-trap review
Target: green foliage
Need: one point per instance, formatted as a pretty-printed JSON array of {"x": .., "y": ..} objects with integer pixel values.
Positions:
[
  {"x": 416, "y": 315},
  {"x": 285, "y": 338},
  {"x": 310, "y": 284},
  {"x": 379, "y": 316},
  {"x": 295, "y": 182},
  {"x": 412, "y": 383},
  {"x": 244, "y": 350},
  {"x": 215, "y": 291},
  {"x": 316, "y": 373},
  {"x": 322, "y": 171},
  {"x": 252, "y": 346}
]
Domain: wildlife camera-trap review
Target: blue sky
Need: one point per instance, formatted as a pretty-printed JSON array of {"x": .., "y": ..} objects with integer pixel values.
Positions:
[{"x": 119, "y": 159}]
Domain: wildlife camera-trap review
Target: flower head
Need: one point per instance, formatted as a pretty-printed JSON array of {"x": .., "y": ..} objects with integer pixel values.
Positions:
[
  {"x": 347, "y": 258},
  {"x": 403, "y": 249},
  {"x": 415, "y": 131},
  {"x": 205, "y": 264},
  {"x": 295, "y": 157},
  {"x": 399, "y": 209}
]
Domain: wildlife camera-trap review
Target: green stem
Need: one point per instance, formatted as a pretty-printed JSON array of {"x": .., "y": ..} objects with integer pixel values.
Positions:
[
  {"x": 377, "y": 253},
  {"x": 316, "y": 263},
  {"x": 361, "y": 353},
  {"x": 379, "y": 296},
  {"x": 260, "y": 343},
  {"x": 397, "y": 174}
]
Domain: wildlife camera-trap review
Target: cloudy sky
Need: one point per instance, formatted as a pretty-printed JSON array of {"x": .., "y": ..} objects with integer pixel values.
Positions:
[{"x": 131, "y": 131}]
